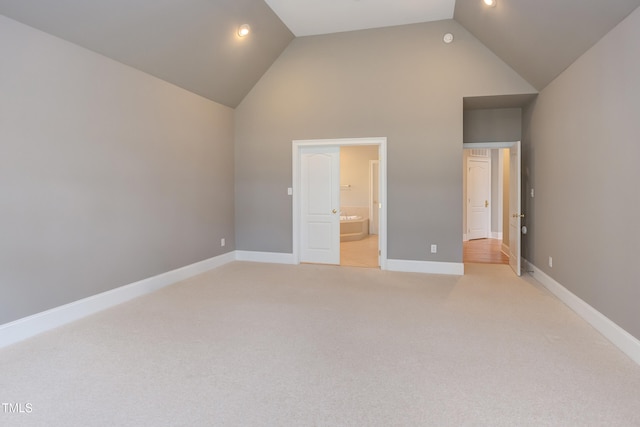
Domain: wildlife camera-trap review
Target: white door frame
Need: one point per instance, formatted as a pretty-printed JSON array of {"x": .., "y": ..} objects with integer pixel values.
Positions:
[
  {"x": 515, "y": 208},
  {"x": 497, "y": 145},
  {"x": 381, "y": 142}
]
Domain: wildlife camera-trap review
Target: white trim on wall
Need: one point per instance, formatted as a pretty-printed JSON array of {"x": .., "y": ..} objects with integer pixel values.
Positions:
[
  {"x": 429, "y": 267},
  {"x": 614, "y": 333},
  {"x": 505, "y": 248},
  {"x": 406, "y": 266},
  {"x": 381, "y": 142},
  {"x": 27, "y": 327},
  {"x": 266, "y": 257},
  {"x": 490, "y": 145},
  {"x": 494, "y": 235}
]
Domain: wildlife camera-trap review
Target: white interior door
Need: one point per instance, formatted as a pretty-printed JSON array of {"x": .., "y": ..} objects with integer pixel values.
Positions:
[
  {"x": 478, "y": 196},
  {"x": 374, "y": 196},
  {"x": 515, "y": 214},
  {"x": 320, "y": 203}
]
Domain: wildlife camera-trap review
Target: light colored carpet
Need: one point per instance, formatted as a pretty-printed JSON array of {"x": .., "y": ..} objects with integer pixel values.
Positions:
[{"x": 256, "y": 344}]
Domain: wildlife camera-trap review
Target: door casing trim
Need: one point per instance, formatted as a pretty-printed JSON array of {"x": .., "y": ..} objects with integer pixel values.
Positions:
[{"x": 381, "y": 142}]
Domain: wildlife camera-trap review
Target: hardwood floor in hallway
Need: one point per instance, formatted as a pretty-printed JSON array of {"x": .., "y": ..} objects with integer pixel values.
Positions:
[{"x": 485, "y": 251}]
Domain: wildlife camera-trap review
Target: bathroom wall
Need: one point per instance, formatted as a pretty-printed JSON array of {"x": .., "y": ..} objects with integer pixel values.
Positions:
[
  {"x": 107, "y": 175},
  {"x": 354, "y": 172}
]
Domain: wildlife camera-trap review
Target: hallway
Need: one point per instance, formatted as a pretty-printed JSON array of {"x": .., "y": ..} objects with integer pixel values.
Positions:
[{"x": 484, "y": 251}]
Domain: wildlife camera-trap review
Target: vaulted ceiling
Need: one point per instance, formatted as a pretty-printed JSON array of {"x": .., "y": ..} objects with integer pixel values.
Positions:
[
  {"x": 194, "y": 43},
  {"x": 540, "y": 38},
  {"x": 190, "y": 43}
]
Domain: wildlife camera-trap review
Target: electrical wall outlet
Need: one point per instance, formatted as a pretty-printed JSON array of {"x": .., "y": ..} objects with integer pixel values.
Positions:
[
  {"x": 434, "y": 249},
  {"x": 550, "y": 261},
  {"x": 222, "y": 242}
]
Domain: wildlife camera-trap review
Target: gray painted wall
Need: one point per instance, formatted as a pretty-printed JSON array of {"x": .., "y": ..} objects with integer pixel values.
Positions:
[
  {"x": 107, "y": 175},
  {"x": 402, "y": 83},
  {"x": 493, "y": 125},
  {"x": 581, "y": 155}
]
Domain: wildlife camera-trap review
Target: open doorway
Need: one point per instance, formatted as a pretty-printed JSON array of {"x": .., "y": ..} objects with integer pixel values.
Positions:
[
  {"x": 484, "y": 193},
  {"x": 492, "y": 212},
  {"x": 359, "y": 205},
  {"x": 324, "y": 193}
]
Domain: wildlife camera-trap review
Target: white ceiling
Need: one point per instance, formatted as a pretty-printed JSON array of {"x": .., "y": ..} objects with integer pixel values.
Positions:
[{"x": 311, "y": 17}]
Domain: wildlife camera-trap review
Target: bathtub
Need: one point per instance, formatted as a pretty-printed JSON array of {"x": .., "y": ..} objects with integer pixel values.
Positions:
[{"x": 353, "y": 227}]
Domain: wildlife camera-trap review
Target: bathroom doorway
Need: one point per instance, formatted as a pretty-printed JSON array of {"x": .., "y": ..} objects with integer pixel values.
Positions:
[
  {"x": 359, "y": 206},
  {"x": 355, "y": 211}
]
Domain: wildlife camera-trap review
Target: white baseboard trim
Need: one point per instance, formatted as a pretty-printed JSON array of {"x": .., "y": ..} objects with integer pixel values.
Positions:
[
  {"x": 27, "y": 327},
  {"x": 431, "y": 267},
  {"x": 492, "y": 235},
  {"x": 505, "y": 249},
  {"x": 267, "y": 257},
  {"x": 614, "y": 333}
]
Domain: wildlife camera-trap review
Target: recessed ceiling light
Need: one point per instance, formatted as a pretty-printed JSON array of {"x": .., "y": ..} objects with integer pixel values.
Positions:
[
  {"x": 490, "y": 3},
  {"x": 244, "y": 30}
]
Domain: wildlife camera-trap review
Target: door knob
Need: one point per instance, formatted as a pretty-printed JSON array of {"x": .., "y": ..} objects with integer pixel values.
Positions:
[{"x": 334, "y": 211}]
